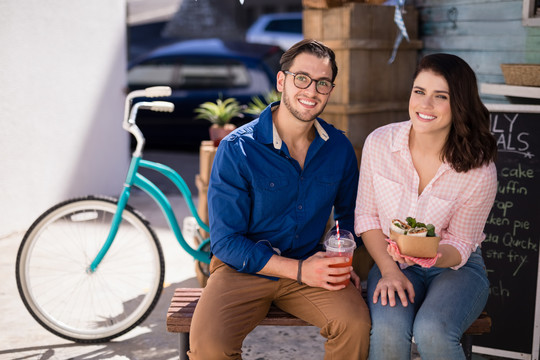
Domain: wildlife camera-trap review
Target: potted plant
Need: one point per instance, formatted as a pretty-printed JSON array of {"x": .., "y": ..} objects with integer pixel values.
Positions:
[
  {"x": 257, "y": 105},
  {"x": 220, "y": 114}
]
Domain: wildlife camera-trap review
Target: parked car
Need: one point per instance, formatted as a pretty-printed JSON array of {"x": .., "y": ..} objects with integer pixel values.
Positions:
[
  {"x": 199, "y": 71},
  {"x": 281, "y": 29}
]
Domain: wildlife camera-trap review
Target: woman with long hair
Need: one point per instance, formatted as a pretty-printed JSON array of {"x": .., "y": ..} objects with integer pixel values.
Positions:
[{"x": 438, "y": 168}]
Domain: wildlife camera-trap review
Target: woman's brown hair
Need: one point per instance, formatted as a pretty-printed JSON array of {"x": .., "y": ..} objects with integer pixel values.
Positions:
[{"x": 470, "y": 143}]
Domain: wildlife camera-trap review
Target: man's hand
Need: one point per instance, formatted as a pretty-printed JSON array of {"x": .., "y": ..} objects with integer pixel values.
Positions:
[
  {"x": 355, "y": 279},
  {"x": 316, "y": 271}
]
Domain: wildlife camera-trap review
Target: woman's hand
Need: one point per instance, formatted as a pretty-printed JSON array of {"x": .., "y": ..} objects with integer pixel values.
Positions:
[
  {"x": 393, "y": 251},
  {"x": 392, "y": 281},
  {"x": 391, "y": 284},
  {"x": 397, "y": 257}
]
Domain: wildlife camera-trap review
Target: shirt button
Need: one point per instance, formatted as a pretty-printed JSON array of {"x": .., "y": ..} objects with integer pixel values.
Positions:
[
  {"x": 299, "y": 207},
  {"x": 272, "y": 185}
]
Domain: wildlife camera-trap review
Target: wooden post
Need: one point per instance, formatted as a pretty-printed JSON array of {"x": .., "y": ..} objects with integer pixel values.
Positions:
[
  {"x": 206, "y": 159},
  {"x": 207, "y": 152}
]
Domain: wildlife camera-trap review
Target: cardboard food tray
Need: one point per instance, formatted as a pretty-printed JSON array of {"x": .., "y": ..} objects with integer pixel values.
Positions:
[{"x": 425, "y": 247}]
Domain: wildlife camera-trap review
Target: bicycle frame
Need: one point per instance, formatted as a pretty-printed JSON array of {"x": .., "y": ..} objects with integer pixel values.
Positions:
[{"x": 134, "y": 178}]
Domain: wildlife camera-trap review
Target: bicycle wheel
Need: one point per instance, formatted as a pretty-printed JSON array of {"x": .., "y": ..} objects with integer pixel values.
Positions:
[{"x": 73, "y": 303}]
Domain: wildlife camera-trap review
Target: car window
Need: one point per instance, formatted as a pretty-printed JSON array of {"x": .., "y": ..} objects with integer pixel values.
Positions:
[
  {"x": 190, "y": 74},
  {"x": 152, "y": 74},
  {"x": 285, "y": 25},
  {"x": 211, "y": 74}
]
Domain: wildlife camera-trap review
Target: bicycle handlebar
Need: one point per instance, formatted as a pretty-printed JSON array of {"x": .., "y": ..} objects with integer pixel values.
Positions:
[
  {"x": 162, "y": 106},
  {"x": 150, "y": 92},
  {"x": 130, "y": 112}
]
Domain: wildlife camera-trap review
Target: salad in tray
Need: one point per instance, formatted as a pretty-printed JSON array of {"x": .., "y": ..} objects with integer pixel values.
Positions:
[{"x": 414, "y": 238}]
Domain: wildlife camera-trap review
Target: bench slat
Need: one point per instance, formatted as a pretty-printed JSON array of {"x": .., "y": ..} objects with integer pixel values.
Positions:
[
  {"x": 480, "y": 326},
  {"x": 185, "y": 299}
]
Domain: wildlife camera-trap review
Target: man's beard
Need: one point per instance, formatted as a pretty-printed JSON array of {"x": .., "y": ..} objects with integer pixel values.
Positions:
[{"x": 295, "y": 112}]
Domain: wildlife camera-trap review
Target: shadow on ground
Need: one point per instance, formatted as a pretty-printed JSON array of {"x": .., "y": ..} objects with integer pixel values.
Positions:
[{"x": 150, "y": 340}]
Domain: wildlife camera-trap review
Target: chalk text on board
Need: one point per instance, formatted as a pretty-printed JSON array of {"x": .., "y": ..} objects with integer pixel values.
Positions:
[
  {"x": 499, "y": 290},
  {"x": 512, "y": 256},
  {"x": 502, "y": 126},
  {"x": 510, "y": 241},
  {"x": 512, "y": 187},
  {"x": 518, "y": 172},
  {"x": 497, "y": 221}
]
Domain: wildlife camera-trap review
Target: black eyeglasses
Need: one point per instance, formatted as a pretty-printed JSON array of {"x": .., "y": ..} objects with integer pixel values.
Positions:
[{"x": 303, "y": 81}]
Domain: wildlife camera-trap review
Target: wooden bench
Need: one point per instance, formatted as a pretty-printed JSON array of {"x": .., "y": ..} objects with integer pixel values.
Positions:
[{"x": 185, "y": 299}]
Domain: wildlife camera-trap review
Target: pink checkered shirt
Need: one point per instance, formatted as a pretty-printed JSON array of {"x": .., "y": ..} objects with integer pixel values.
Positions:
[{"x": 457, "y": 204}]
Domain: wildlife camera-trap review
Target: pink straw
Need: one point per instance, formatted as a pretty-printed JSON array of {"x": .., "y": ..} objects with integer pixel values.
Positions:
[{"x": 337, "y": 229}]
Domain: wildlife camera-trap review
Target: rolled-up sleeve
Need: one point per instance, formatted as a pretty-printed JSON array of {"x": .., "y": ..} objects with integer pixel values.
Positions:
[
  {"x": 465, "y": 231},
  {"x": 229, "y": 213}
]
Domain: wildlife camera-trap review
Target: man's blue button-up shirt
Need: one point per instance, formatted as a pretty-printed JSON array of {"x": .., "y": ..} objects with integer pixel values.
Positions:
[{"x": 261, "y": 202}]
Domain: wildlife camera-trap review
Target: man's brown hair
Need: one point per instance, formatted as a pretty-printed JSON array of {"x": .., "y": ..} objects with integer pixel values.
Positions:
[{"x": 309, "y": 46}]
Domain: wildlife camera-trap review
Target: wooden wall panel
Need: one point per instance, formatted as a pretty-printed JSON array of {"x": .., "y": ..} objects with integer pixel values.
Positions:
[{"x": 485, "y": 33}]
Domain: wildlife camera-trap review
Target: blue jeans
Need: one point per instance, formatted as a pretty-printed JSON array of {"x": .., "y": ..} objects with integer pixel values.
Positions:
[{"x": 446, "y": 303}]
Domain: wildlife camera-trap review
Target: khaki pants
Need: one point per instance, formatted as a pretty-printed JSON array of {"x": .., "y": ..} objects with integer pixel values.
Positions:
[{"x": 233, "y": 303}]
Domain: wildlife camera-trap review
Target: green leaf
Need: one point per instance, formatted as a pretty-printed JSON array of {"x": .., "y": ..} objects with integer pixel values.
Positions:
[
  {"x": 411, "y": 221},
  {"x": 430, "y": 230},
  {"x": 221, "y": 112},
  {"x": 257, "y": 105}
]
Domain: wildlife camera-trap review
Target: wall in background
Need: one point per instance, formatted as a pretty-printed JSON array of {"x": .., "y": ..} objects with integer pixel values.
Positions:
[
  {"x": 485, "y": 33},
  {"x": 62, "y": 78}
]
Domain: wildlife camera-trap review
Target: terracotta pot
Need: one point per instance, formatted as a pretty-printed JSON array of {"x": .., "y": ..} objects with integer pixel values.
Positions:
[{"x": 219, "y": 132}]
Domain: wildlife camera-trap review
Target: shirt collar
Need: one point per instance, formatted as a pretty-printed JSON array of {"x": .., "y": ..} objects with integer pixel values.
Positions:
[
  {"x": 265, "y": 128},
  {"x": 276, "y": 138},
  {"x": 322, "y": 133},
  {"x": 400, "y": 140},
  {"x": 400, "y": 143},
  {"x": 278, "y": 142},
  {"x": 266, "y": 117}
]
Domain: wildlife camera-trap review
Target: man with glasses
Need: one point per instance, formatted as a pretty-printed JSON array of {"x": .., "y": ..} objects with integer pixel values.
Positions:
[{"x": 274, "y": 184}]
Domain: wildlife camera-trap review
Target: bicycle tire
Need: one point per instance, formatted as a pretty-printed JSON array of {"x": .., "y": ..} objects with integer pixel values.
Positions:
[{"x": 69, "y": 301}]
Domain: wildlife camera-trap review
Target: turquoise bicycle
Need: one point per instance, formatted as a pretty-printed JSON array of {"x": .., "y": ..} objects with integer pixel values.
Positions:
[{"x": 91, "y": 269}]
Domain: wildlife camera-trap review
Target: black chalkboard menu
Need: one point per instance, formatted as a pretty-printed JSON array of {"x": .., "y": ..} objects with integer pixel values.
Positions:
[{"x": 511, "y": 247}]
